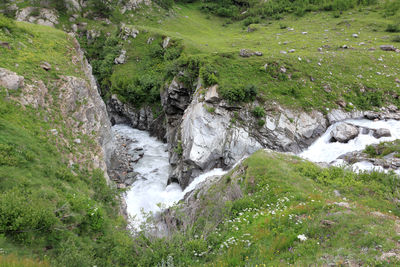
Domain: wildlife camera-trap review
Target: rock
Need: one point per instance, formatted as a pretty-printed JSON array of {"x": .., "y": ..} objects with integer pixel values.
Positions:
[
  {"x": 73, "y": 5},
  {"x": 46, "y": 66},
  {"x": 121, "y": 186},
  {"x": 54, "y": 131},
  {"x": 387, "y": 48},
  {"x": 245, "y": 53},
  {"x": 10, "y": 80},
  {"x": 150, "y": 40},
  {"x": 121, "y": 59},
  {"x": 354, "y": 35},
  {"x": 337, "y": 193},
  {"x": 128, "y": 31},
  {"x": 342, "y": 204},
  {"x": 165, "y": 43},
  {"x": 341, "y": 103},
  {"x": 327, "y": 223},
  {"x": 77, "y": 141},
  {"x": 292, "y": 51},
  {"x": 392, "y": 108},
  {"x": 382, "y": 132},
  {"x": 257, "y": 53},
  {"x": 5, "y": 45},
  {"x": 212, "y": 95},
  {"x": 386, "y": 255},
  {"x": 344, "y": 132},
  {"x": 47, "y": 17},
  {"x": 250, "y": 29},
  {"x": 74, "y": 28}
]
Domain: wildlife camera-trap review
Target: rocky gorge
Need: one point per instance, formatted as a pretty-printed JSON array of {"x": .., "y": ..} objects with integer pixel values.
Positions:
[{"x": 204, "y": 131}]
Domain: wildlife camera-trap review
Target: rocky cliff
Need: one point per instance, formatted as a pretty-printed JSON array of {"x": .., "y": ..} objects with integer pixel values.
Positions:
[{"x": 76, "y": 100}]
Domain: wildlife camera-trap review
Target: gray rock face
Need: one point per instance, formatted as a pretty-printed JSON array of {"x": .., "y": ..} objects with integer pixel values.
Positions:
[
  {"x": 382, "y": 132},
  {"x": 344, "y": 132},
  {"x": 10, "y": 80},
  {"x": 205, "y": 138},
  {"x": 140, "y": 118}
]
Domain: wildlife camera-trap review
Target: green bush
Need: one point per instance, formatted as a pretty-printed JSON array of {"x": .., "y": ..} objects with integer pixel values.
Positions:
[
  {"x": 7, "y": 24},
  {"x": 396, "y": 39},
  {"x": 258, "y": 112},
  {"x": 209, "y": 75},
  {"x": 393, "y": 28},
  {"x": 239, "y": 94}
]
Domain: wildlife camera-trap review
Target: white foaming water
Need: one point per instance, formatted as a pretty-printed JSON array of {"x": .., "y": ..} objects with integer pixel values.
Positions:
[
  {"x": 150, "y": 192},
  {"x": 324, "y": 151}
]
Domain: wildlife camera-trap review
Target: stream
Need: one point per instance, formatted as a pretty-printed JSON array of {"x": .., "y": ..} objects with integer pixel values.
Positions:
[
  {"x": 322, "y": 150},
  {"x": 150, "y": 194}
]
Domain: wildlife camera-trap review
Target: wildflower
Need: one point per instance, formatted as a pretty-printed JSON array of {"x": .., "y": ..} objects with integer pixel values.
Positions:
[{"x": 302, "y": 237}]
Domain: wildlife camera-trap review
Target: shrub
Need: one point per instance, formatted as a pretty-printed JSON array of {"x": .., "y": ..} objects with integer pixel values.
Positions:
[
  {"x": 396, "y": 39},
  {"x": 7, "y": 24},
  {"x": 239, "y": 94},
  {"x": 393, "y": 28},
  {"x": 209, "y": 75},
  {"x": 258, "y": 112}
]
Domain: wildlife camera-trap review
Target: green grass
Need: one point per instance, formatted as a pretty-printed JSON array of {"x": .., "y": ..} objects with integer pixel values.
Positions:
[
  {"x": 364, "y": 78},
  {"x": 383, "y": 149},
  {"x": 51, "y": 210},
  {"x": 31, "y": 45},
  {"x": 284, "y": 197}
]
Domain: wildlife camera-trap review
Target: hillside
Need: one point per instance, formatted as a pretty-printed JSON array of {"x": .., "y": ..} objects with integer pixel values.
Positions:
[{"x": 225, "y": 84}]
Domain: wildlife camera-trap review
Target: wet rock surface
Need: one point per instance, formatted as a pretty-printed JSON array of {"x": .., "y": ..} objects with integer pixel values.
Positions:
[{"x": 121, "y": 169}]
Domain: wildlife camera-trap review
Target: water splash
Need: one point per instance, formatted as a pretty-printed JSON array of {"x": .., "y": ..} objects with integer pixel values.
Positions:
[{"x": 322, "y": 150}]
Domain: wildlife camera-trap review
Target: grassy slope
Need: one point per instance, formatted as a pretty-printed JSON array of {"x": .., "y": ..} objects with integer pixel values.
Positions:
[
  {"x": 218, "y": 43},
  {"x": 62, "y": 214},
  {"x": 284, "y": 197}
]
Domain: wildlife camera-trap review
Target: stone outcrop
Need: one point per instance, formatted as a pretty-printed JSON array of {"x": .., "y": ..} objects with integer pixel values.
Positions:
[
  {"x": 205, "y": 132},
  {"x": 388, "y": 162},
  {"x": 78, "y": 102},
  {"x": 41, "y": 16},
  {"x": 344, "y": 132},
  {"x": 140, "y": 118},
  {"x": 10, "y": 80},
  {"x": 382, "y": 132},
  {"x": 132, "y": 4}
]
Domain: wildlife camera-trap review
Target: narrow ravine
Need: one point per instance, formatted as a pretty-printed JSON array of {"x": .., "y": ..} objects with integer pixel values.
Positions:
[
  {"x": 150, "y": 194},
  {"x": 323, "y": 150}
]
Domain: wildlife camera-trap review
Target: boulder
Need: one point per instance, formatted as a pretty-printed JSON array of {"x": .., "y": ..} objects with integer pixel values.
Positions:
[
  {"x": 344, "y": 132},
  {"x": 245, "y": 53},
  {"x": 121, "y": 59},
  {"x": 381, "y": 132},
  {"x": 46, "y": 66},
  {"x": 212, "y": 95},
  {"x": 128, "y": 31},
  {"x": 388, "y": 48},
  {"x": 10, "y": 80},
  {"x": 165, "y": 43}
]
